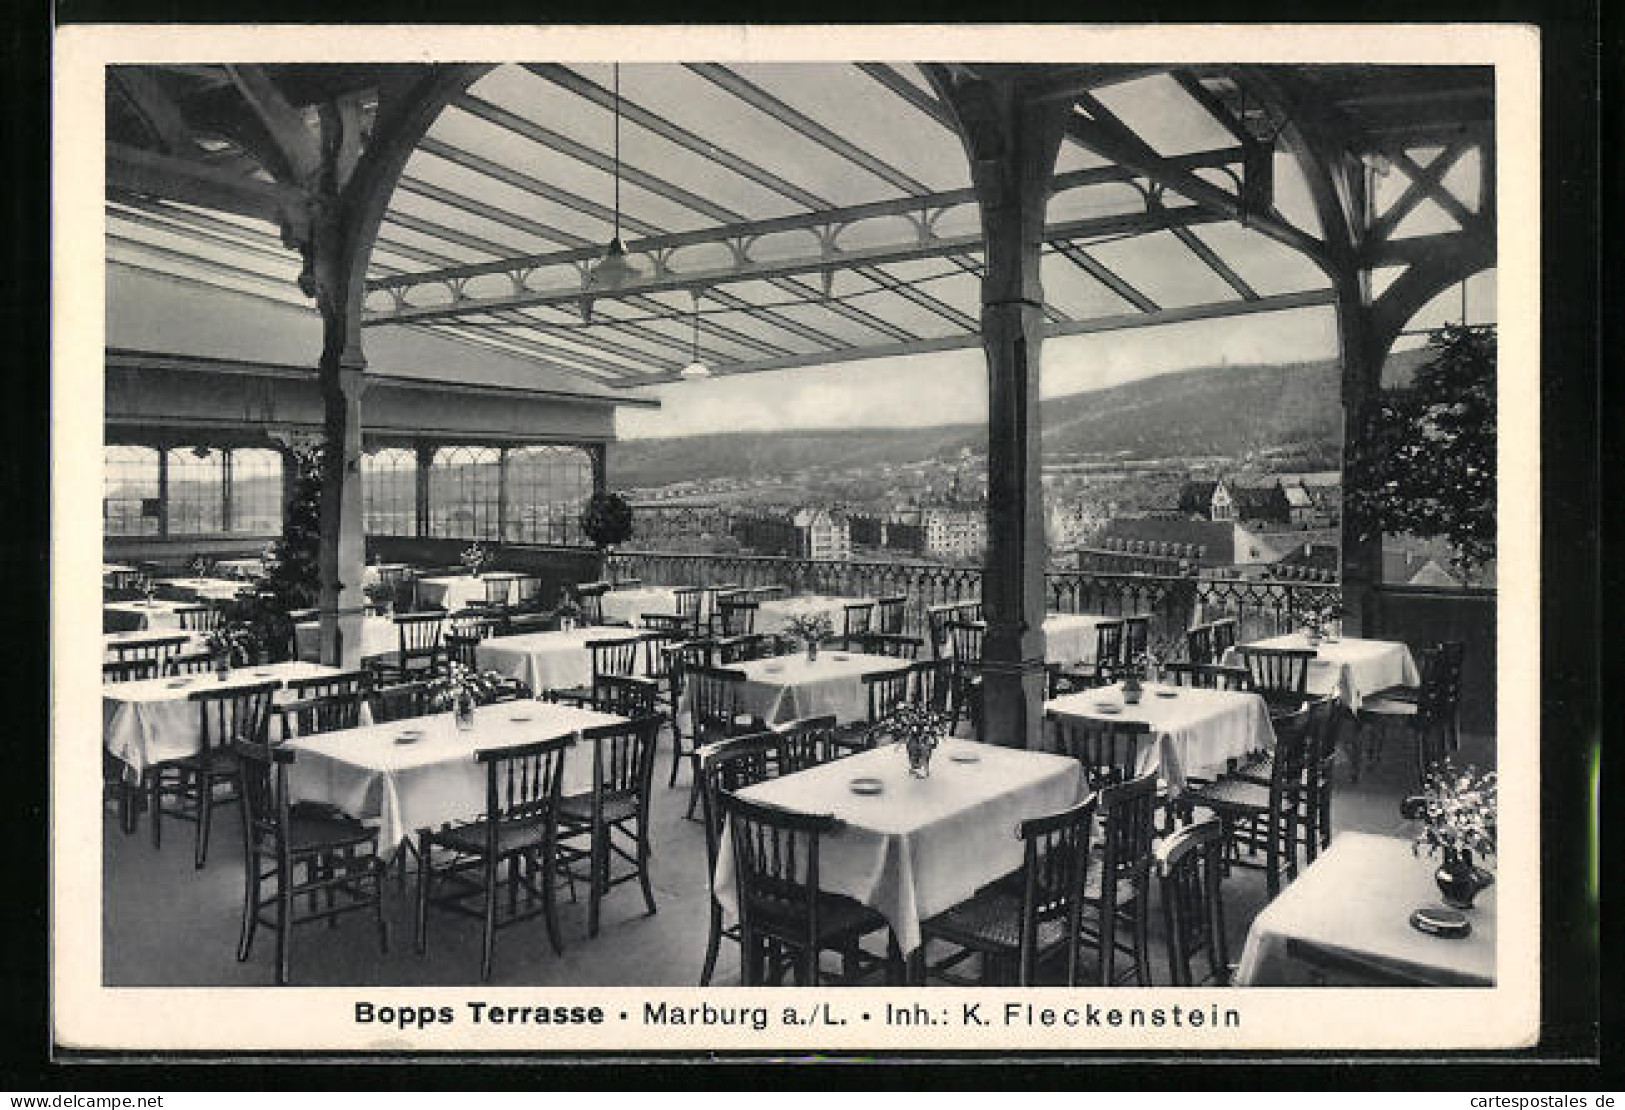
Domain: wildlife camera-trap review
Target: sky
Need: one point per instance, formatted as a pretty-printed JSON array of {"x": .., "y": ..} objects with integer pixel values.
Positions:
[{"x": 950, "y": 387}]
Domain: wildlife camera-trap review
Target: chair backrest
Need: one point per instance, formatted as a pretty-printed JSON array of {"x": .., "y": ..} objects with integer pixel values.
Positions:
[
  {"x": 476, "y": 624},
  {"x": 189, "y": 662},
  {"x": 322, "y": 685},
  {"x": 1440, "y": 693},
  {"x": 1294, "y": 733},
  {"x": 1207, "y": 676},
  {"x": 671, "y": 625},
  {"x": 591, "y": 596},
  {"x": 856, "y": 619},
  {"x": 527, "y": 589},
  {"x": 497, "y": 591},
  {"x": 157, "y": 649},
  {"x": 689, "y": 600},
  {"x": 624, "y": 695},
  {"x": 738, "y": 615},
  {"x": 1108, "y": 645},
  {"x": 657, "y": 654},
  {"x": 893, "y": 644},
  {"x": 713, "y": 701},
  {"x": 728, "y": 650},
  {"x": 401, "y": 701},
  {"x": 730, "y": 766},
  {"x": 886, "y": 690},
  {"x": 1109, "y": 750},
  {"x": 198, "y": 618},
  {"x": 1199, "y": 644},
  {"x": 234, "y": 713},
  {"x": 319, "y": 713},
  {"x": 129, "y": 670},
  {"x": 1128, "y": 813},
  {"x": 617, "y": 657},
  {"x": 623, "y": 761},
  {"x": 933, "y": 684},
  {"x": 890, "y": 613},
  {"x": 937, "y": 620},
  {"x": 1224, "y": 634},
  {"x": 419, "y": 634},
  {"x": 1189, "y": 865},
  {"x": 264, "y": 771},
  {"x": 1136, "y": 638},
  {"x": 523, "y": 785},
  {"x": 806, "y": 743},
  {"x": 1280, "y": 674},
  {"x": 967, "y": 637},
  {"x": 776, "y": 866},
  {"x": 462, "y": 647},
  {"x": 1054, "y": 872}
]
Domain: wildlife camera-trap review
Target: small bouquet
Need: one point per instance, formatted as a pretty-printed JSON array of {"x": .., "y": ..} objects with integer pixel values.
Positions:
[
  {"x": 568, "y": 612},
  {"x": 474, "y": 557},
  {"x": 1457, "y": 811},
  {"x": 381, "y": 594},
  {"x": 200, "y": 565},
  {"x": 809, "y": 630},
  {"x": 232, "y": 644},
  {"x": 461, "y": 688},
  {"x": 1319, "y": 618},
  {"x": 148, "y": 588},
  {"x": 918, "y": 730}
]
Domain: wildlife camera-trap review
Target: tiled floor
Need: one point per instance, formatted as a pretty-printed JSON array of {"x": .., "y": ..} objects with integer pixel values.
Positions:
[{"x": 166, "y": 924}]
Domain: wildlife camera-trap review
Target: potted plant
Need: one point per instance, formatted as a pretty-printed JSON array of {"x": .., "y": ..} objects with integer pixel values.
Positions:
[
  {"x": 568, "y": 612},
  {"x": 381, "y": 594},
  {"x": 918, "y": 731},
  {"x": 460, "y": 689},
  {"x": 606, "y": 520},
  {"x": 473, "y": 559},
  {"x": 231, "y": 644},
  {"x": 1457, "y": 809},
  {"x": 1133, "y": 678},
  {"x": 809, "y": 630},
  {"x": 1318, "y": 620}
]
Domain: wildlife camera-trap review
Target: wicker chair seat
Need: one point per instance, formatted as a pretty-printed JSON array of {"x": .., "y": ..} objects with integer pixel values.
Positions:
[
  {"x": 218, "y": 761},
  {"x": 512, "y": 836},
  {"x": 578, "y": 808},
  {"x": 574, "y": 694},
  {"x": 1231, "y": 793},
  {"x": 1390, "y": 704},
  {"x": 314, "y": 831},
  {"x": 838, "y": 916},
  {"x": 991, "y": 919}
]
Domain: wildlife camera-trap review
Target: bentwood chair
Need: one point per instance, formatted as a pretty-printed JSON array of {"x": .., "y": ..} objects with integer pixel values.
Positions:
[
  {"x": 1199, "y": 644},
  {"x": 1101, "y": 671},
  {"x": 400, "y": 702},
  {"x": 516, "y": 834},
  {"x": 856, "y": 619},
  {"x": 1189, "y": 870},
  {"x": 893, "y": 644},
  {"x": 1281, "y": 675},
  {"x": 225, "y": 717},
  {"x": 1116, "y": 894},
  {"x": 728, "y": 766},
  {"x": 689, "y": 600},
  {"x": 807, "y": 743},
  {"x": 343, "y": 873},
  {"x": 1207, "y": 676},
  {"x": 609, "y": 657},
  {"x": 591, "y": 597},
  {"x": 1429, "y": 710},
  {"x": 420, "y": 652},
  {"x": 738, "y": 615},
  {"x": 318, "y": 713},
  {"x": 890, "y": 613},
  {"x": 625, "y": 696},
  {"x": 157, "y": 651},
  {"x": 198, "y": 618},
  {"x": 1224, "y": 634},
  {"x": 614, "y": 815},
  {"x": 129, "y": 670},
  {"x": 1109, "y": 750},
  {"x": 966, "y": 638},
  {"x": 714, "y": 711},
  {"x": 776, "y": 877},
  {"x": 1032, "y": 916}
]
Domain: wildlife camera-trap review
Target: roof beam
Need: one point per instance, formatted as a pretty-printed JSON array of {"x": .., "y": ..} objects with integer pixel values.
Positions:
[
  {"x": 924, "y": 300},
  {"x": 815, "y": 296},
  {"x": 809, "y": 128},
  {"x": 147, "y": 174},
  {"x": 1106, "y": 276},
  {"x": 752, "y": 271},
  {"x": 490, "y": 212},
  {"x": 282, "y": 121},
  {"x": 975, "y": 269},
  {"x": 1218, "y": 265},
  {"x": 910, "y": 92},
  {"x": 157, "y": 109},
  {"x": 1184, "y": 314}
]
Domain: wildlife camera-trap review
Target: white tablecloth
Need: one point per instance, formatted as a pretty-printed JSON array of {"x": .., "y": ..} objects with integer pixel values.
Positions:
[
  {"x": 194, "y": 640},
  {"x": 1355, "y": 901},
  {"x": 378, "y": 637},
  {"x": 407, "y": 787},
  {"x": 1194, "y": 732},
  {"x": 550, "y": 660},
  {"x": 137, "y": 615},
  {"x": 789, "y": 688},
  {"x": 626, "y": 606},
  {"x": 152, "y": 720},
  {"x": 205, "y": 589},
  {"x": 1348, "y": 667},
  {"x": 1070, "y": 638},
  {"x": 241, "y": 568},
  {"x": 373, "y": 573},
  {"x": 774, "y": 614},
  {"x": 921, "y": 845},
  {"x": 454, "y": 593}
]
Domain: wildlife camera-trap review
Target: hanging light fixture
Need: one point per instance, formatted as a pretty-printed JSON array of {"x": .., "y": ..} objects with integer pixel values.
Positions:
[
  {"x": 615, "y": 269},
  {"x": 696, "y": 368}
]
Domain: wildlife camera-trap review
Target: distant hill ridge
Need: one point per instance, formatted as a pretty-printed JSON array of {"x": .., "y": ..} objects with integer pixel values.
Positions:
[{"x": 1219, "y": 410}]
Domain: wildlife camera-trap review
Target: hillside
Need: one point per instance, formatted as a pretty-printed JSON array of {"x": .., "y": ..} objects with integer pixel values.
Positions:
[{"x": 1228, "y": 410}]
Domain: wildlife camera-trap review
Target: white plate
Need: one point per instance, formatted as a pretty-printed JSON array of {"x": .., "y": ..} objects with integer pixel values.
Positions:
[
  {"x": 867, "y": 786},
  {"x": 965, "y": 757},
  {"x": 1106, "y": 707},
  {"x": 410, "y": 736}
]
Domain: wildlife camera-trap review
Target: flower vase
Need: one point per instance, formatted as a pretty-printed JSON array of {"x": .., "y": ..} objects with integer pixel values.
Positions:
[
  {"x": 1312, "y": 635},
  {"x": 222, "y": 667},
  {"x": 812, "y": 651},
  {"x": 567, "y": 624},
  {"x": 919, "y": 756},
  {"x": 1132, "y": 690},
  {"x": 1459, "y": 881},
  {"x": 463, "y": 711}
]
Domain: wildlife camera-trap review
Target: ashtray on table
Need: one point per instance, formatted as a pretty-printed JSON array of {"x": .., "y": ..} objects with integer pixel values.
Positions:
[{"x": 867, "y": 786}]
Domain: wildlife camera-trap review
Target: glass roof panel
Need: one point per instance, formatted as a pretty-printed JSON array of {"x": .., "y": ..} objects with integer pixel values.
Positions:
[
  {"x": 447, "y": 174},
  {"x": 1292, "y": 199},
  {"x": 1163, "y": 269},
  {"x": 1074, "y": 155},
  {"x": 454, "y": 253},
  {"x": 1164, "y": 115},
  {"x": 469, "y": 223},
  {"x": 1072, "y": 290},
  {"x": 1269, "y": 267}
]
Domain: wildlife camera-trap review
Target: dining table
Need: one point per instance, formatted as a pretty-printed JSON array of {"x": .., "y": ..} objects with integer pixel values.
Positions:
[
  {"x": 1070, "y": 639},
  {"x": 132, "y": 616},
  {"x": 154, "y": 719},
  {"x": 775, "y": 614},
  {"x": 558, "y": 660},
  {"x": 241, "y": 568},
  {"x": 1345, "y": 921},
  {"x": 792, "y": 687},
  {"x": 378, "y": 637},
  {"x": 453, "y": 592},
  {"x": 204, "y": 589},
  {"x": 916, "y": 846},
  {"x": 421, "y": 772},
  {"x": 136, "y": 638},
  {"x": 1349, "y": 667},
  {"x": 627, "y": 606},
  {"x": 1194, "y": 733}
]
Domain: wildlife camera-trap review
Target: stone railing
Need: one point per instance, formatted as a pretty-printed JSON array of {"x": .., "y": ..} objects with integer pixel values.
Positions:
[{"x": 1174, "y": 602}]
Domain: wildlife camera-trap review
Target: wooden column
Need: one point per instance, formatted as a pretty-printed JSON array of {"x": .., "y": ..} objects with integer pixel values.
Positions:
[
  {"x": 1362, "y": 386},
  {"x": 425, "y": 457},
  {"x": 1012, "y": 145},
  {"x": 343, "y": 554}
]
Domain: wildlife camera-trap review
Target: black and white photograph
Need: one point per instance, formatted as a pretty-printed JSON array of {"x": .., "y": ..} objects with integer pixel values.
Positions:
[{"x": 693, "y": 514}]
